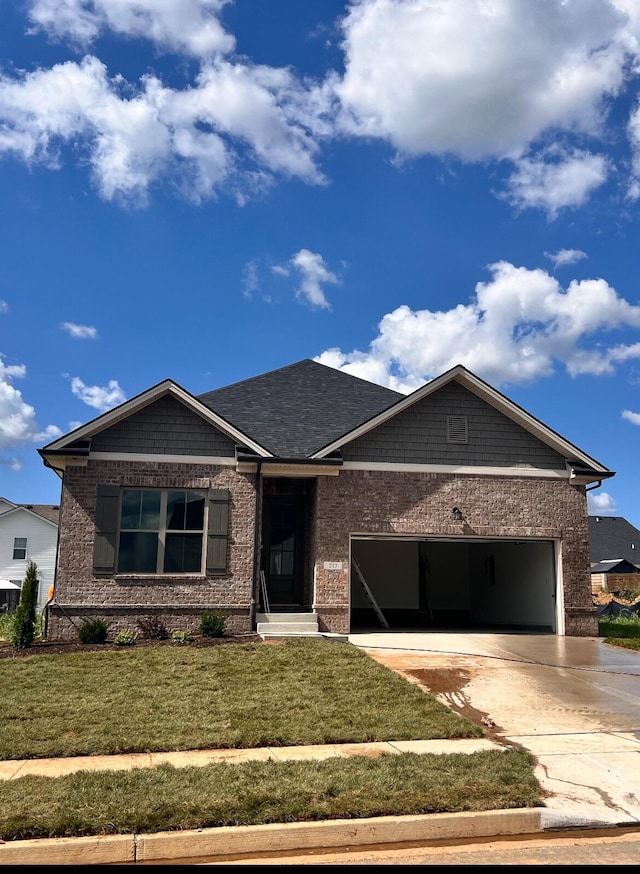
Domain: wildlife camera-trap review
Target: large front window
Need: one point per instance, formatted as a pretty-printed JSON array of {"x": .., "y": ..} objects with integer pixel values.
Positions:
[{"x": 161, "y": 531}]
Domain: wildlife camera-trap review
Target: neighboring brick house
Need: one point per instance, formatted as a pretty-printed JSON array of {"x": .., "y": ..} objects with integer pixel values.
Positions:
[
  {"x": 614, "y": 547},
  {"x": 307, "y": 493}
]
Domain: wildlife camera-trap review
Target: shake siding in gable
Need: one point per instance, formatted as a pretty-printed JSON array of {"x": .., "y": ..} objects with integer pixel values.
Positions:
[
  {"x": 165, "y": 427},
  {"x": 418, "y": 435}
]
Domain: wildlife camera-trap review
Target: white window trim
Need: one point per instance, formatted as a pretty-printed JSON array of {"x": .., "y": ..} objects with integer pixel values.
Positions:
[{"x": 25, "y": 547}]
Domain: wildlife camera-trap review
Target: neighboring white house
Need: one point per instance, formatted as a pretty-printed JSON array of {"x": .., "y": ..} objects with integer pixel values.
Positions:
[{"x": 28, "y": 532}]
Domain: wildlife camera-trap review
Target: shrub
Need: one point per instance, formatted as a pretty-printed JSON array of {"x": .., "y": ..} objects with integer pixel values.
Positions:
[
  {"x": 152, "y": 628},
  {"x": 212, "y": 623},
  {"x": 93, "y": 631},
  {"x": 626, "y": 625},
  {"x": 6, "y": 624},
  {"x": 23, "y": 628},
  {"x": 181, "y": 637},
  {"x": 126, "y": 637}
]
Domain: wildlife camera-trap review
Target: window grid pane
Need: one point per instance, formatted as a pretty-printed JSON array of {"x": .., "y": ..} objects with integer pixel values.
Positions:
[
  {"x": 19, "y": 547},
  {"x": 148, "y": 519}
]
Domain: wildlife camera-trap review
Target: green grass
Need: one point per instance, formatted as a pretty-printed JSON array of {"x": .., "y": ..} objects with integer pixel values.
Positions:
[
  {"x": 624, "y": 626},
  {"x": 149, "y": 800},
  {"x": 236, "y": 695},
  {"x": 622, "y": 631},
  {"x": 163, "y": 698}
]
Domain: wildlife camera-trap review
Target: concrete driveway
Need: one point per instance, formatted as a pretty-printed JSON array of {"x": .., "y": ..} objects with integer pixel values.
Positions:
[{"x": 573, "y": 702}]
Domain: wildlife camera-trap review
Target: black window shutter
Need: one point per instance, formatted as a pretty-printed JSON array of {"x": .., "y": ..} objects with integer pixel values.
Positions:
[
  {"x": 218, "y": 530},
  {"x": 104, "y": 547}
]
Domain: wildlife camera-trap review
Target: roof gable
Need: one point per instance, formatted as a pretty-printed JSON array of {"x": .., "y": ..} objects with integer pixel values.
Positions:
[
  {"x": 78, "y": 441},
  {"x": 483, "y": 390},
  {"x": 48, "y": 513}
]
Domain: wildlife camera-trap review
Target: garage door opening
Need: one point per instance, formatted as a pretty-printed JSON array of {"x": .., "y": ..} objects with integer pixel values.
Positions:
[{"x": 453, "y": 585}]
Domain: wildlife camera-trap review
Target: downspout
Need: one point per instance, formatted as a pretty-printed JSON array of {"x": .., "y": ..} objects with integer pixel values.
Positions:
[
  {"x": 256, "y": 547},
  {"x": 60, "y": 471}
]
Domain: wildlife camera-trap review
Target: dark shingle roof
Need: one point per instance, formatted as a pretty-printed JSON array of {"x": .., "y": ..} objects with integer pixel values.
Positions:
[
  {"x": 298, "y": 409},
  {"x": 612, "y": 537},
  {"x": 614, "y": 567}
]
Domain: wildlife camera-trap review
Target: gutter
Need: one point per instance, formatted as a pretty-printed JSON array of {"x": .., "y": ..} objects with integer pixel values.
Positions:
[{"x": 256, "y": 548}]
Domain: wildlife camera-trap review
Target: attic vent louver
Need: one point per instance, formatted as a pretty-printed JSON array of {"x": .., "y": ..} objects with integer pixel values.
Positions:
[{"x": 457, "y": 429}]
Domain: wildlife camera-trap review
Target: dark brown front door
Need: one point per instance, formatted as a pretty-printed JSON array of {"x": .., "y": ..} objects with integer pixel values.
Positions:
[{"x": 283, "y": 550}]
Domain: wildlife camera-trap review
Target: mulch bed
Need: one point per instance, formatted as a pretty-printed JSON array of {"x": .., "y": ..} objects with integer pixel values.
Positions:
[{"x": 56, "y": 647}]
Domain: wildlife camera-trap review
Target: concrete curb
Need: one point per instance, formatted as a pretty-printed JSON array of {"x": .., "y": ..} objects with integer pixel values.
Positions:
[{"x": 247, "y": 841}]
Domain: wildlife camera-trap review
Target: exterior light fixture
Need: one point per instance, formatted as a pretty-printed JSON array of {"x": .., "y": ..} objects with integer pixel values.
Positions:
[{"x": 457, "y": 514}]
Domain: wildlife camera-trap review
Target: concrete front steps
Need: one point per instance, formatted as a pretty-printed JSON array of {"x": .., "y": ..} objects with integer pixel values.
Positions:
[{"x": 276, "y": 626}]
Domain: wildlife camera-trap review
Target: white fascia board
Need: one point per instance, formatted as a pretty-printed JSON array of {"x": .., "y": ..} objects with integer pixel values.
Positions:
[
  {"x": 450, "y": 469},
  {"x": 143, "y": 400},
  {"x": 289, "y": 469},
  {"x": 485, "y": 392}
]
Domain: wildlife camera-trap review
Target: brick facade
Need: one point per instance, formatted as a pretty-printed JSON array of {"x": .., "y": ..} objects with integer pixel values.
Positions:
[
  {"x": 355, "y": 502},
  {"x": 385, "y": 502},
  {"x": 122, "y": 600}
]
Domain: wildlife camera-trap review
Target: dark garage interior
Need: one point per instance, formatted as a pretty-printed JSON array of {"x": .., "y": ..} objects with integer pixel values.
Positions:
[{"x": 453, "y": 584}]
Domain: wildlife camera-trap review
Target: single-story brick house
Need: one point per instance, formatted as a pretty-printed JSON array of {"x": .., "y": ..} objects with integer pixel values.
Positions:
[{"x": 308, "y": 493}]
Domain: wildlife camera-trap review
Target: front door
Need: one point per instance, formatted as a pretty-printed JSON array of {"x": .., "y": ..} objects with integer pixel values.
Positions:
[{"x": 283, "y": 553}]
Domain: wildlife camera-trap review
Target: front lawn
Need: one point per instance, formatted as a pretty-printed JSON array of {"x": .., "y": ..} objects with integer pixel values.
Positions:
[
  {"x": 235, "y": 695},
  {"x": 163, "y": 698}
]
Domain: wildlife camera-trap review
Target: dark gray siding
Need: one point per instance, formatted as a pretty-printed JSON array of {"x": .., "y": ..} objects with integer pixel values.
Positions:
[
  {"x": 418, "y": 435},
  {"x": 165, "y": 427}
]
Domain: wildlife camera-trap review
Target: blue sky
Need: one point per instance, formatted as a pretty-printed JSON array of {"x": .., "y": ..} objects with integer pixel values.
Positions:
[{"x": 206, "y": 190}]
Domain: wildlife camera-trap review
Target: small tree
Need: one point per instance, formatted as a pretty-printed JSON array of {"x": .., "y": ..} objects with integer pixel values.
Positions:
[{"x": 24, "y": 621}]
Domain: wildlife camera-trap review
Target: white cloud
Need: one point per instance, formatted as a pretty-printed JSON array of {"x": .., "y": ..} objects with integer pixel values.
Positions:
[
  {"x": 633, "y": 132},
  {"x": 480, "y": 80},
  {"x": 4, "y": 306},
  {"x": 250, "y": 279},
  {"x": 563, "y": 257},
  {"x": 314, "y": 274},
  {"x": 518, "y": 327},
  {"x": 99, "y": 397},
  {"x": 81, "y": 332},
  {"x": 634, "y": 418},
  {"x": 600, "y": 504},
  {"x": 18, "y": 424},
  {"x": 556, "y": 179},
  {"x": 189, "y": 26},
  {"x": 12, "y": 463},
  {"x": 238, "y": 125},
  {"x": 472, "y": 79}
]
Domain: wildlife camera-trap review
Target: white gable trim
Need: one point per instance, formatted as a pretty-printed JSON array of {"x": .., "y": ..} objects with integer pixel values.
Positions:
[
  {"x": 35, "y": 515},
  {"x": 484, "y": 391},
  {"x": 168, "y": 387}
]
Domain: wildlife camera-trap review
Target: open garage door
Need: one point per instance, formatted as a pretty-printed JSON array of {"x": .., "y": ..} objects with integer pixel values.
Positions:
[{"x": 452, "y": 585}]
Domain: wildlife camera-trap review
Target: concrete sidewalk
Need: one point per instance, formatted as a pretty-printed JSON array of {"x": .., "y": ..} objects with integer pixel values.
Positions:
[{"x": 10, "y": 770}]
